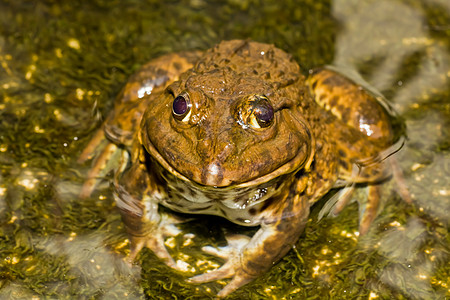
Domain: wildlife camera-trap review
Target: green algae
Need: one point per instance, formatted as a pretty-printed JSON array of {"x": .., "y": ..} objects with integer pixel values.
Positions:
[{"x": 61, "y": 65}]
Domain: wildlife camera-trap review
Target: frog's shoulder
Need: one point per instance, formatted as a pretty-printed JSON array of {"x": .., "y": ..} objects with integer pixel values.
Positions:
[
  {"x": 136, "y": 95},
  {"x": 159, "y": 72}
]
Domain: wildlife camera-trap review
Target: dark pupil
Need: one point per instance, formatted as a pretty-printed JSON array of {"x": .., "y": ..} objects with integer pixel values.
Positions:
[
  {"x": 264, "y": 113},
  {"x": 180, "y": 106}
]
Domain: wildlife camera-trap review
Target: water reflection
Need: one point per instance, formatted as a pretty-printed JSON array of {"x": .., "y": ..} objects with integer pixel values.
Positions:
[
  {"x": 412, "y": 259},
  {"x": 92, "y": 266}
]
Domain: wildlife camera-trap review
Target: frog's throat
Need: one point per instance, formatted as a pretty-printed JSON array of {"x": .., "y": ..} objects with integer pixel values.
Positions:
[{"x": 302, "y": 160}]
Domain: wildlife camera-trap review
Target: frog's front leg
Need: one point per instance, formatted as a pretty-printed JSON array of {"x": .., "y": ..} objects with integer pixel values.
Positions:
[
  {"x": 137, "y": 194},
  {"x": 250, "y": 258}
]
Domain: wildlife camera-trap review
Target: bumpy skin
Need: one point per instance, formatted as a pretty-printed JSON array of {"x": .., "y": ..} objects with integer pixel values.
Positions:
[{"x": 222, "y": 158}]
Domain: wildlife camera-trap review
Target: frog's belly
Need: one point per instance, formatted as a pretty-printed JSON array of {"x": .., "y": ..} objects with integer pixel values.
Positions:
[
  {"x": 238, "y": 216},
  {"x": 240, "y": 206}
]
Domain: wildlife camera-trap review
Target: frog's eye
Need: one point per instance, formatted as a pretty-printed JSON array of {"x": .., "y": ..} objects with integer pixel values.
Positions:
[
  {"x": 256, "y": 112},
  {"x": 181, "y": 107},
  {"x": 262, "y": 115}
]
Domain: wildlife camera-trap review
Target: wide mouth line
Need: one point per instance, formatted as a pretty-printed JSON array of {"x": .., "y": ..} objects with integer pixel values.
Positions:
[{"x": 288, "y": 167}]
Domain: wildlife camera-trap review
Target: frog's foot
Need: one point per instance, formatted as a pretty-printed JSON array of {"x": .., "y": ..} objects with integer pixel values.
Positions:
[
  {"x": 232, "y": 254},
  {"x": 402, "y": 188},
  {"x": 344, "y": 197},
  {"x": 337, "y": 202},
  {"x": 154, "y": 240},
  {"x": 368, "y": 208},
  {"x": 90, "y": 149},
  {"x": 103, "y": 164},
  {"x": 107, "y": 157}
]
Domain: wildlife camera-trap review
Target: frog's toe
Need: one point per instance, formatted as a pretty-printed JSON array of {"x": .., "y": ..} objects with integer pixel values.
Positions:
[
  {"x": 167, "y": 225},
  {"x": 402, "y": 187},
  {"x": 137, "y": 243},
  {"x": 369, "y": 208},
  {"x": 234, "y": 284},
  {"x": 157, "y": 246},
  {"x": 232, "y": 268},
  {"x": 110, "y": 157},
  {"x": 154, "y": 243},
  {"x": 225, "y": 271}
]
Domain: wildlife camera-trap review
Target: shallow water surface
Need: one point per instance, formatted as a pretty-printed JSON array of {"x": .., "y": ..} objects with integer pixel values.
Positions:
[{"x": 61, "y": 65}]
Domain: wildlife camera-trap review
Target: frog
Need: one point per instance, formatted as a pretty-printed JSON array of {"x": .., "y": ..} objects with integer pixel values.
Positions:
[{"x": 238, "y": 131}]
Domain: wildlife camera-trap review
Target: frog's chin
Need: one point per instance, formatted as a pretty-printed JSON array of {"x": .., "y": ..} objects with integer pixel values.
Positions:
[{"x": 212, "y": 175}]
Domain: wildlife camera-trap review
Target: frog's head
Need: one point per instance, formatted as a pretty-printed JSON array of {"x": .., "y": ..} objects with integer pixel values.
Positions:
[{"x": 231, "y": 120}]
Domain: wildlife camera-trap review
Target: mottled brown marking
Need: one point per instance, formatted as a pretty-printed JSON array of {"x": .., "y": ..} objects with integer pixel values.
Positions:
[
  {"x": 334, "y": 101},
  {"x": 314, "y": 84},
  {"x": 177, "y": 66},
  {"x": 189, "y": 174},
  {"x": 276, "y": 85},
  {"x": 266, "y": 75},
  {"x": 241, "y": 198},
  {"x": 200, "y": 67},
  {"x": 283, "y": 226},
  {"x": 374, "y": 172},
  {"x": 161, "y": 73},
  {"x": 344, "y": 164},
  {"x": 345, "y": 113},
  {"x": 335, "y": 81},
  {"x": 266, "y": 204},
  {"x": 243, "y": 49}
]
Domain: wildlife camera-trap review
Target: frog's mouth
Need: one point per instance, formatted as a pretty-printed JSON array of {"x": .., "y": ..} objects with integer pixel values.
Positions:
[{"x": 213, "y": 175}]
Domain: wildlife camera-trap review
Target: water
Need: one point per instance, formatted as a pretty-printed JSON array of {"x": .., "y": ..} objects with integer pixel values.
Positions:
[{"x": 62, "y": 63}]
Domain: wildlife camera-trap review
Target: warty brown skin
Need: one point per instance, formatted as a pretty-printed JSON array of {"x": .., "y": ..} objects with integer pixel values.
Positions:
[{"x": 253, "y": 146}]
